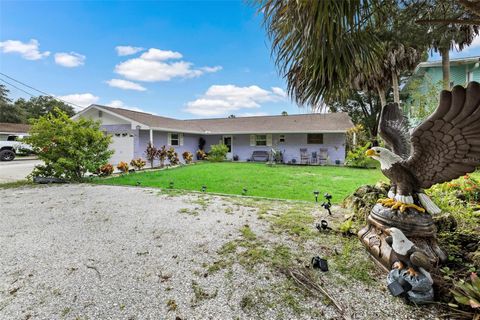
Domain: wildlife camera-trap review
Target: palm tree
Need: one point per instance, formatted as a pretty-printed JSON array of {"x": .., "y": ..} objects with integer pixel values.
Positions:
[
  {"x": 325, "y": 47},
  {"x": 319, "y": 44}
]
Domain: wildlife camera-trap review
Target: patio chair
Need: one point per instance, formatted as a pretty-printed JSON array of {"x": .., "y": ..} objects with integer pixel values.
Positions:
[
  {"x": 314, "y": 159},
  {"x": 323, "y": 156},
  {"x": 304, "y": 157}
]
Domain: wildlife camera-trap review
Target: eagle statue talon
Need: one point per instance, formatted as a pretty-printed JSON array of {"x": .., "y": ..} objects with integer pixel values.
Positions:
[
  {"x": 394, "y": 204},
  {"x": 411, "y": 271},
  {"x": 398, "y": 265}
]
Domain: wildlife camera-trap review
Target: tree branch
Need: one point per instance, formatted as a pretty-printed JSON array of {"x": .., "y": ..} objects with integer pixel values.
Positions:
[{"x": 448, "y": 21}]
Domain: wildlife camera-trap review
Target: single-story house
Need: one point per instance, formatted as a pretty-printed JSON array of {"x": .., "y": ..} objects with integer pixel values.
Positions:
[
  {"x": 313, "y": 133},
  {"x": 13, "y": 130}
]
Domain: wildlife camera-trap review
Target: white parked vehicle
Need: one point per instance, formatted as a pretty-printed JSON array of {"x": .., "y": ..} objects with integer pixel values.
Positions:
[{"x": 10, "y": 147}]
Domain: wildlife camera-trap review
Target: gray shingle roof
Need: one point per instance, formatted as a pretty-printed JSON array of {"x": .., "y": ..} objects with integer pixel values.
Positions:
[
  {"x": 14, "y": 127},
  {"x": 299, "y": 123}
]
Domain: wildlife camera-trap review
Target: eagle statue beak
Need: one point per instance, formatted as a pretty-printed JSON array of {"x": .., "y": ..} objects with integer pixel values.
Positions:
[
  {"x": 388, "y": 231},
  {"x": 370, "y": 152}
]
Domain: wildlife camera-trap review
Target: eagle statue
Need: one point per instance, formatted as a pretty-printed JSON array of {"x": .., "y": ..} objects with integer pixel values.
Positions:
[
  {"x": 408, "y": 255},
  {"x": 443, "y": 147}
]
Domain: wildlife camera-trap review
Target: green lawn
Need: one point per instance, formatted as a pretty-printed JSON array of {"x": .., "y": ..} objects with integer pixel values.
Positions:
[{"x": 279, "y": 181}]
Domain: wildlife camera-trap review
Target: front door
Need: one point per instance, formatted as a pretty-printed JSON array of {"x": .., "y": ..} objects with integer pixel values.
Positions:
[{"x": 227, "y": 140}]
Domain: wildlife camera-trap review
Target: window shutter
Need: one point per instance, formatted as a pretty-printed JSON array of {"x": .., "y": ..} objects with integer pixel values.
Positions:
[
  {"x": 180, "y": 138},
  {"x": 269, "y": 140},
  {"x": 169, "y": 139},
  {"x": 252, "y": 140}
]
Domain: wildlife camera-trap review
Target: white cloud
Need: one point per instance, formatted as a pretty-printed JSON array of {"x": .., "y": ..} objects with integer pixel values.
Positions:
[
  {"x": 224, "y": 99},
  {"x": 211, "y": 69},
  {"x": 253, "y": 114},
  {"x": 127, "y": 50},
  {"x": 125, "y": 84},
  {"x": 157, "y": 54},
  {"x": 28, "y": 50},
  {"x": 69, "y": 60},
  {"x": 80, "y": 99},
  {"x": 121, "y": 104},
  {"x": 279, "y": 91},
  {"x": 153, "y": 66}
]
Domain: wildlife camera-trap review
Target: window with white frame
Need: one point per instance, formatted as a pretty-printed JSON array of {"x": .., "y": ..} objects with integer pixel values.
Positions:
[
  {"x": 260, "y": 139},
  {"x": 174, "y": 139}
]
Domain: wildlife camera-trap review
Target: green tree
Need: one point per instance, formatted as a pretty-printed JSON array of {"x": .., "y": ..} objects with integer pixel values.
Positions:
[
  {"x": 364, "y": 109},
  {"x": 68, "y": 148},
  {"x": 8, "y": 112},
  {"x": 39, "y": 106}
]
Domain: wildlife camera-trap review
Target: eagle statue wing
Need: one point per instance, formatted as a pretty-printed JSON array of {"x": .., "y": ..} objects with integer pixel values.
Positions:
[
  {"x": 394, "y": 130},
  {"x": 420, "y": 260},
  {"x": 447, "y": 144}
]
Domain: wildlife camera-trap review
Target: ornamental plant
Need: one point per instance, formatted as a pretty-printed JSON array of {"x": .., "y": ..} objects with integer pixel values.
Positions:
[
  {"x": 201, "y": 155},
  {"x": 68, "y": 148},
  {"x": 123, "y": 167},
  {"x": 218, "y": 152},
  {"x": 467, "y": 293},
  {"x": 162, "y": 155},
  {"x": 151, "y": 153},
  {"x": 105, "y": 170},
  {"x": 138, "y": 164},
  {"x": 187, "y": 156},
  {"x": 172, "y": 156}
]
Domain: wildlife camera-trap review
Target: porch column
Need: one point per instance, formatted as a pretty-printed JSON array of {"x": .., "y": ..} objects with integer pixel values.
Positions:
[{"x": 151, "y": 136}]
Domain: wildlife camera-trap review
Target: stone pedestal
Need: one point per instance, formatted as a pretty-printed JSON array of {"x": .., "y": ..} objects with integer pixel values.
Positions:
[{"x": 418, "y": 227}]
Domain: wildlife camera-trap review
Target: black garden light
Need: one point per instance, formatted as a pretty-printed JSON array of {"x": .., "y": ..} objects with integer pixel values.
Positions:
[
  {"x": 319, "y": 263},
  {"x": 323, "y": 225},
  {"x": 171, "y": 185},
  {"x": 327, "y": 206},
  {"x": 244, "y": 191},
  {"x": 316, "y": 193},
  {"x": 138, "y": 183},
  {"x": 204, "y": 188}
]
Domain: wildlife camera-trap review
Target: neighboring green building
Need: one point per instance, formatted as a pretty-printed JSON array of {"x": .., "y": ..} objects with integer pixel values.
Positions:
[
  {"x": 462, "y": 71},
  {"x": 420, "y": 93}
]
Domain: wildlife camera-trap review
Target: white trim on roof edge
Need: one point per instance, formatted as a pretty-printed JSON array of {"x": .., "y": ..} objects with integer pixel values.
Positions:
[{"x": 95, "y": 106}]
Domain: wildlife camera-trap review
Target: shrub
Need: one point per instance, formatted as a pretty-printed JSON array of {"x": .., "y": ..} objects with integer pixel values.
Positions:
[
  {"x": 468, "y": 293},
  {"x": 217, "y": 152},
  {"x": 138, "y": 163},
  {"x": 162, "y": 155},
  {"x": 151, "y": 153},
  {"x": 172, "y": 156},
  {"x": 68, "y": 148},
  {"x": 357, "y": 158},
  {"x": 201, "y": 155},
  {"x": 105, "y": 170},
  {"x": 187, "y": 156},
  {"x": 122, "y": 166}
]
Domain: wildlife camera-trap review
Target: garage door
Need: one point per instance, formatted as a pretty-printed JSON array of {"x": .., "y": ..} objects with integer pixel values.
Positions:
[{"x": 122, "y": 144}]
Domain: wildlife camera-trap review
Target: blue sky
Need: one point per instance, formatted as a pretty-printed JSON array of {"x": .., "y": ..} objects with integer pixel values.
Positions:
[
  {"x": 198, "y": 59},
  {"x": 179, "y": 59}
]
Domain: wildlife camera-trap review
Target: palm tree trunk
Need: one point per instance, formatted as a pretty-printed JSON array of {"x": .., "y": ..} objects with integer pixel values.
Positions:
[
  {"x": 381, "y": 94},
  {"x": 444, "y": 52},
  {"x": 396, "y": 88}
]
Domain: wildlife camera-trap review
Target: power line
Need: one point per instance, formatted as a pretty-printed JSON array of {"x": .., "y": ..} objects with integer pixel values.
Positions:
[
  {"x": 42, "y": 92},
  {"x": 14, "y": 86}
]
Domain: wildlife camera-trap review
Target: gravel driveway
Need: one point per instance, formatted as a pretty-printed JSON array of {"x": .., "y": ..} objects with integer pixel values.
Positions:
[{"x": 101, "y": 252}]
